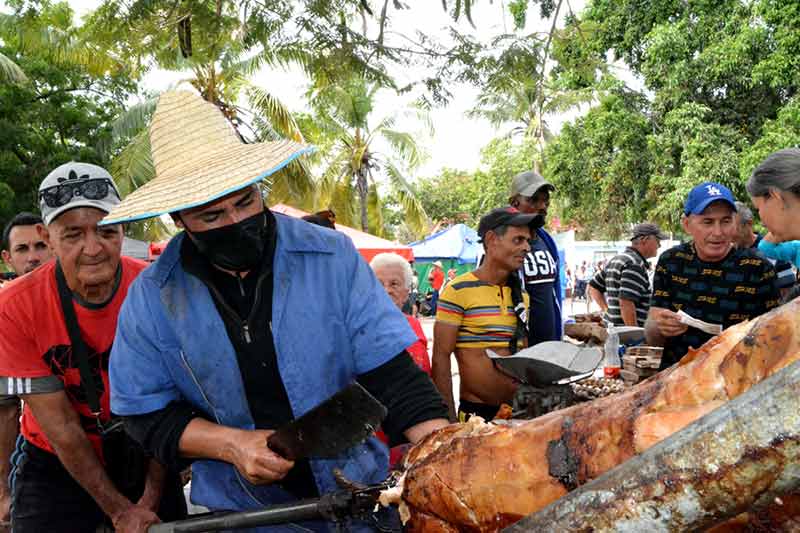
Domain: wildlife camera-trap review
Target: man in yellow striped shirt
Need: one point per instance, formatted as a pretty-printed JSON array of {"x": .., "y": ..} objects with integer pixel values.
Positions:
[{"x": 484, "y": 309}]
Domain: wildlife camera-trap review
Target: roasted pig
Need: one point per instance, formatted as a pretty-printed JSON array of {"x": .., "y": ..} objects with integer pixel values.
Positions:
[{"x": 482, "y": 477}]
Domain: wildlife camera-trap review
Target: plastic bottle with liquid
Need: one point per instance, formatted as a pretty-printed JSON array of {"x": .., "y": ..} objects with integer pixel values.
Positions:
[{"x": 612, "y": 363}]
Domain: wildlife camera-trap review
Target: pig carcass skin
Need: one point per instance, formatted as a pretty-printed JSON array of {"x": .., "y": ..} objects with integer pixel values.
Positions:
[{"x": 483, "y": 476}]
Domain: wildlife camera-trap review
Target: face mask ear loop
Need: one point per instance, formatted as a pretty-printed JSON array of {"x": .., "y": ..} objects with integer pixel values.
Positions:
[{"x": 185, "y": 227}]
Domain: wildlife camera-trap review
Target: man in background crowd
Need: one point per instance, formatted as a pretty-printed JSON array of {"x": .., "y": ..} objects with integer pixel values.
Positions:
[
  {"x": 746, "y": 238},
  {"x": 23, "y": 250},
  {"x": 485, "y": 308},
  {"x": 451, "y": 275},
  {"x": 436, "y": 280},
  {"x": 622, "y": 288},
  {"x": 326, "y": 219},
  {"x": 707, "y": 278},
  {"x": 23, "y": 247},
  {"x": 530, "y": 193}
]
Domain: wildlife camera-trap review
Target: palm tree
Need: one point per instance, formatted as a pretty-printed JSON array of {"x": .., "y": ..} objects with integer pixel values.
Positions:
[
  {"x": 220, "y": 47},
  {"x": 348, "y": 183},
  {"x": 51, "y": 34},
  {"x": 10, "y": 71},
  {"x": 518, "y": 92}
]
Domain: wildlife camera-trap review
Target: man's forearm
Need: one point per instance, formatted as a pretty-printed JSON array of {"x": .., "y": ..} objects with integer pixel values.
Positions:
[
  {"x": 79, "y": 458},
  {"x": 206, "y": 440},
  {"x": 652, "y": 336},
  {"x": 599, "y": 298},
  {"x": 417, "y": 432},
  {"x": 628, "y": 311},
  {"x": 443, "y": 379},
  {"x": 154, "y": 485},
  {"x": 9, "y": 430}
]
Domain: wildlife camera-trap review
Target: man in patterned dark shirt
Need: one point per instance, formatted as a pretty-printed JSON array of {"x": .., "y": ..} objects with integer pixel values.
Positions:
[{"x": 707, "y": 277}]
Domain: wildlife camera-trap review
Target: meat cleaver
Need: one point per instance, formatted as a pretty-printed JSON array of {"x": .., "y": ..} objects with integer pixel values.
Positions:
[{"x": 345, "y": 419}]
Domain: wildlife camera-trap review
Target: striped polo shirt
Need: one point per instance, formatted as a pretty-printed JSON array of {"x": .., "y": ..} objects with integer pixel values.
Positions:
[
  {"x": 484, "y": 313},
  {"x": 625, "y": 276}
]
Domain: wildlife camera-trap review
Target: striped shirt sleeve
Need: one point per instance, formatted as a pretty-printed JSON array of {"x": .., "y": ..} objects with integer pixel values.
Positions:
[
  {"x": 599, "y": 280},
  {"x": 634, "y": 285},
  {"x": 449, "y": 310},
  {"x": 11, "y": 387}
]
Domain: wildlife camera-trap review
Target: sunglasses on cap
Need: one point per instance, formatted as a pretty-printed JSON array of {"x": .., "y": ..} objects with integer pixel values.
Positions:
[{"x": 63, "y": 193}]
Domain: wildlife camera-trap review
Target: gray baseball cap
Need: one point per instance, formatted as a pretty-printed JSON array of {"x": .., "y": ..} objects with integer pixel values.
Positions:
[
  {"x": 74, "y": 185},
  {"x": 527, "y": 183},
  {"x": 646, "y": 229}
]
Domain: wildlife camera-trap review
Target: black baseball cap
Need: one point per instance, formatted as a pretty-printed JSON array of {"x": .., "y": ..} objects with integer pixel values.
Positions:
[
  {"x": 645, "y": 229},
  {"x": 508, "y": 216}
]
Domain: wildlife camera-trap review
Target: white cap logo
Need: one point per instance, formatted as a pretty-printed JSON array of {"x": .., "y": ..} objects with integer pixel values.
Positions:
[{"x": 713, "y": 190}]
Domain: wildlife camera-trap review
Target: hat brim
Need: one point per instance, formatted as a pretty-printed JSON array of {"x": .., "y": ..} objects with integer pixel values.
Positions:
[
  {"x": 699, "y": 208},
  {"x": 97, "y": 204},
  {"x": 530, "y": 190},
  {"x": 223, "y": 170},
  {"x": 533, "y": 221},
  {"x": 660, "y": 236}
]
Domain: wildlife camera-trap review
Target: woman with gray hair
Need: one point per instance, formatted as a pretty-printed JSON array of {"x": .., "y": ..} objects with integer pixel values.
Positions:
[
  {"x": 775, "y": 189},
  {"x": 395, "y": 275}
]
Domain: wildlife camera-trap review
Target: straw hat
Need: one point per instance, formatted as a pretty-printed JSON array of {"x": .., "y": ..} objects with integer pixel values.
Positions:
[{"x": 198, "y": 158}]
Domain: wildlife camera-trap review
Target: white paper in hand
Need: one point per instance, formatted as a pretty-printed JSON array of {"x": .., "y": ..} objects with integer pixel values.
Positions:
[{"x": 711, "y": 329}]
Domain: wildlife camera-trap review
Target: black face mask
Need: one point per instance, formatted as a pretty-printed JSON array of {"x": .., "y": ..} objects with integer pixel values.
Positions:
[{"x": 238, "y": 247}]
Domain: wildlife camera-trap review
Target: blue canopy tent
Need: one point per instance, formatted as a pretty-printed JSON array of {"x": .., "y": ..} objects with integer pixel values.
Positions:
[{"x": 456, "y": 247}]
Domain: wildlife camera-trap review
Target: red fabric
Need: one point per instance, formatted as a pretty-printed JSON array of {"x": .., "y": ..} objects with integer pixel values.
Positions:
[
  {"x": 34, "y": 341},
  {"x": 438, "y": 278},
  {"x": 419, "y": 353},
  {"x": 419, "y": 350}
]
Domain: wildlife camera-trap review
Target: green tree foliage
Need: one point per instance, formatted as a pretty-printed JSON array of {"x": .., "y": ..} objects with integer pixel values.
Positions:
[
  {"x": 455, "y": 196},
  {"x": 689, "y": 149},
  {"x": 601, "y": 160},
  {"x": 719, "y": 84},
  {"x": 782, "y": 132},
  {"x": 353, "y": 168},
  {"x": 222, "y": 43},
  {"x": 62, "y": 110}
]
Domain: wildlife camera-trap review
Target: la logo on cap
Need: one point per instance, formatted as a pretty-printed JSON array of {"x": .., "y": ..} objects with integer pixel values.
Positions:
[{"x": 713, "y": 190}]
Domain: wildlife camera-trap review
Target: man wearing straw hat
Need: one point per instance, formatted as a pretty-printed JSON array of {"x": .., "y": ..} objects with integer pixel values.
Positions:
[{"x": 249, "y": 319}]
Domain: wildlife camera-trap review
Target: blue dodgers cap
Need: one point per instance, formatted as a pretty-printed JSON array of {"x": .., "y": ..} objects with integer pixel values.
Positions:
[{"x": 705, "y": 194}]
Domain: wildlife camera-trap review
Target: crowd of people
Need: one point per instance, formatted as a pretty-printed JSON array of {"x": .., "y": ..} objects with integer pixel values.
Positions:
[{"x": 127, "y": 374}]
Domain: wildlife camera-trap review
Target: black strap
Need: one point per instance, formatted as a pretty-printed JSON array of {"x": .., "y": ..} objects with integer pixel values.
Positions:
[
  {"x": 518, "y": 301},
  {"x": 79, "y": 350}
]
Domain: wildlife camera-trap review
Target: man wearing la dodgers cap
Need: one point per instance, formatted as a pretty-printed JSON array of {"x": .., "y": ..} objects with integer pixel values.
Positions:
[{"x": 707, "y": 278}]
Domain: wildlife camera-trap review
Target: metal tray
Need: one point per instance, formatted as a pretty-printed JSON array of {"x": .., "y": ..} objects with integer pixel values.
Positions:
[{"x": 548, "y": 362}]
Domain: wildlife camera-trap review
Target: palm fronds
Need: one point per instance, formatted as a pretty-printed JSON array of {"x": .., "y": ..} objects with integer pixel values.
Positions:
[
  {"x": 375, "y": 211},
  {"x": 405, "y": 145},
  {"x": 133, "y": 167},
  {"x": 134, "y": 120},
  {"x": 415, "y": 216},
  {"x": 272, "y": 110},
  {"x": 10, "y": 71}
]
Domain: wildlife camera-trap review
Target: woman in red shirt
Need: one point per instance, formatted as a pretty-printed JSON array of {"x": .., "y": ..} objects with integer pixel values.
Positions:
[{"x": 394, "y": 273}]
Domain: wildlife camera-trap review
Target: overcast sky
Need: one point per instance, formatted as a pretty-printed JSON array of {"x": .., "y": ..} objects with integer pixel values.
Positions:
[{"x": 457, "y": 139}]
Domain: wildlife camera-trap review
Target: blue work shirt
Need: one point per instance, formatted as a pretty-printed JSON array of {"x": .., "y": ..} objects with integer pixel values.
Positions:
[{"x": 331, "y": 322}]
